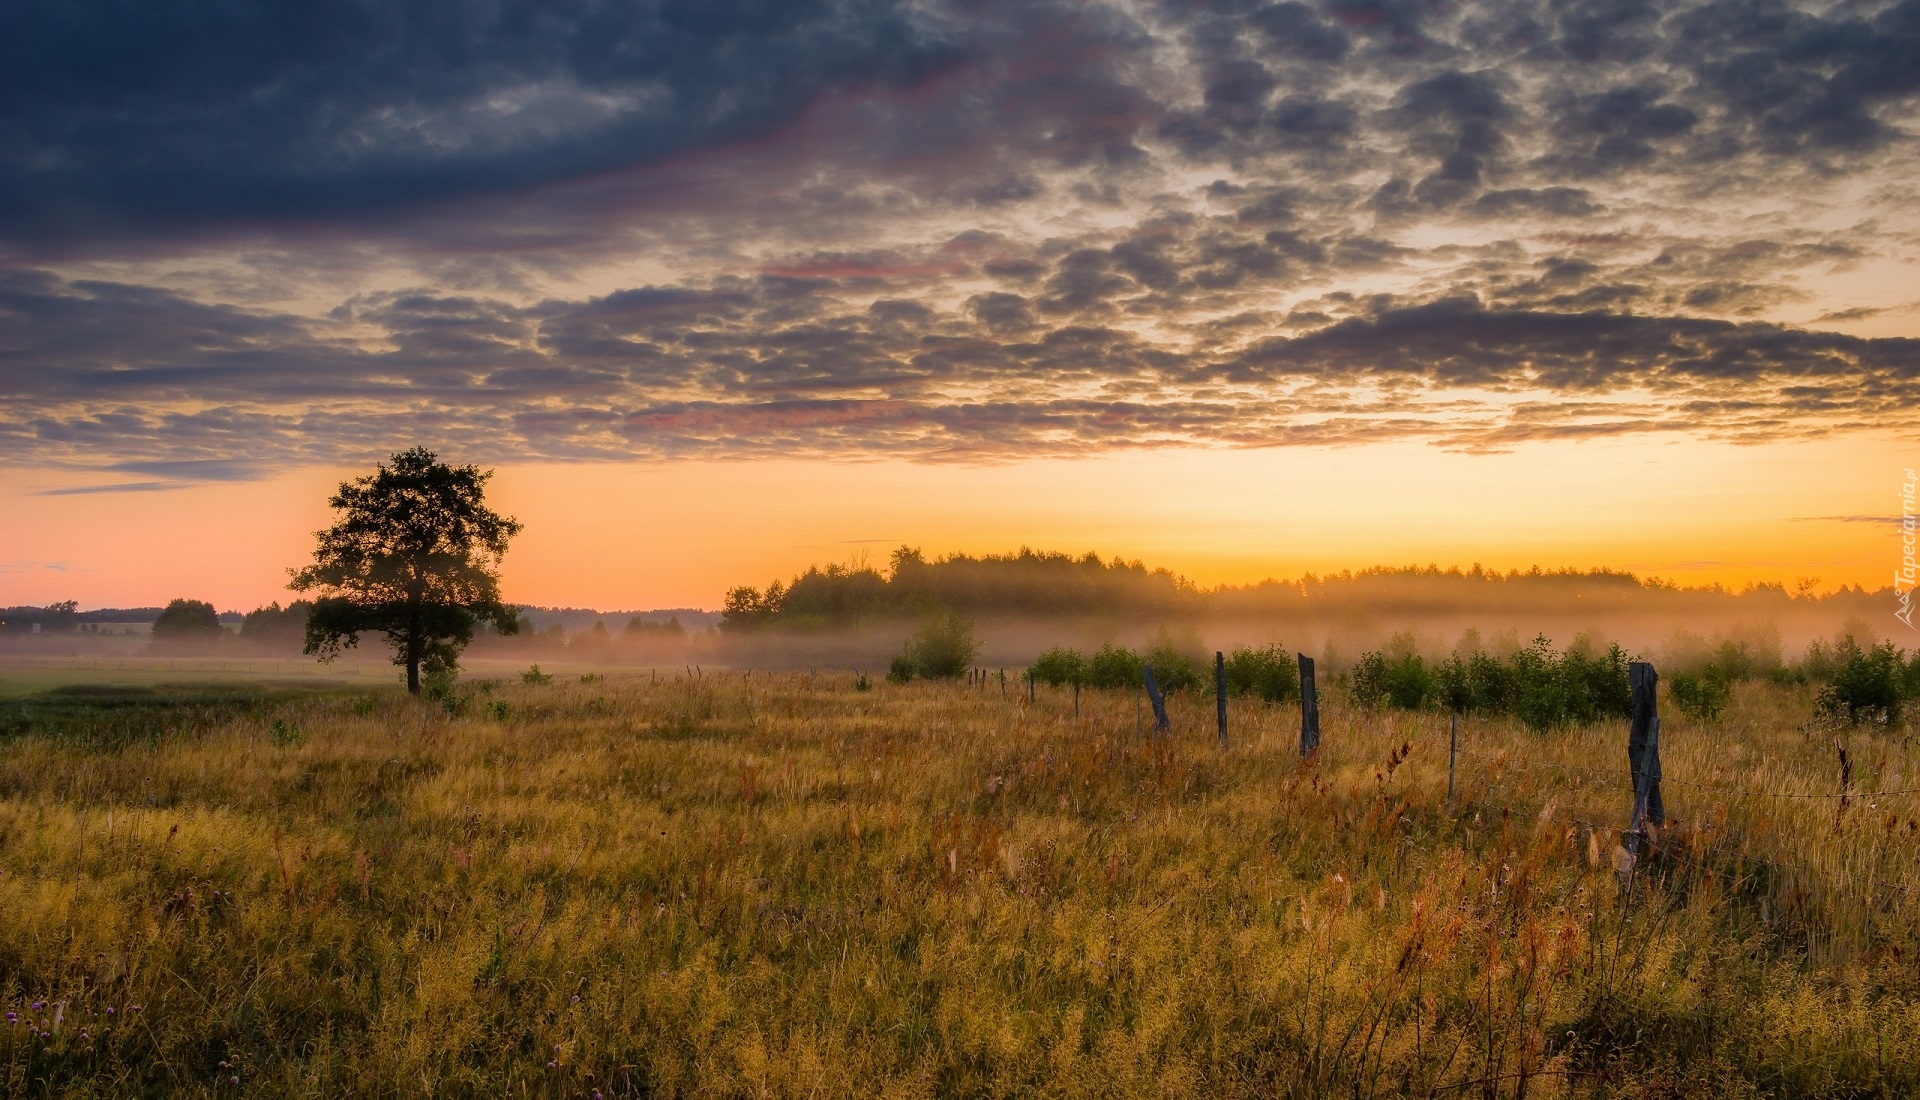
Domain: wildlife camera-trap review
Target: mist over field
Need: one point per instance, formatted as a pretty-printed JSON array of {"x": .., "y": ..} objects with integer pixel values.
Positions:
[{"x": 857, "y": 617}]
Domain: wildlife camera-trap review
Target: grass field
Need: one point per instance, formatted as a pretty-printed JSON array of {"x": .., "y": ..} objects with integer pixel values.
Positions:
[{"x": 751, "y": 885}]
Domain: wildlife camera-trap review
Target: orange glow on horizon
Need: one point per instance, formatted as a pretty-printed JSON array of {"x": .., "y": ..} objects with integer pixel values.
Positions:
[{"x": 620, "y": 537}]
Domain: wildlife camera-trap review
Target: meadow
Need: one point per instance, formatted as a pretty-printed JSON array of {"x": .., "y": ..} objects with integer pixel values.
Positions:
[{"x": 744, "y": 884}]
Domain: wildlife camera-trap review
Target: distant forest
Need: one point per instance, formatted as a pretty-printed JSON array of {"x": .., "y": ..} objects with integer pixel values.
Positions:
[{"x": 1042, "y": 584}]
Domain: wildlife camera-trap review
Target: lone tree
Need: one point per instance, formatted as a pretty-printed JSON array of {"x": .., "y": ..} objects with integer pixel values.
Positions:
[{"x": 416, "y": 556}]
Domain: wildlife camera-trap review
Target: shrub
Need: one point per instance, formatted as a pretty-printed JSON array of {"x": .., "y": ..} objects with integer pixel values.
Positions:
[
  {"x": 1402, "y": 681},
  {"x": 1866, "y": 684},
  {"x": 1173, "y": 668},
  {"x": 1539, "y": 686},
  {"x": 942, "y": 649},
  {"x": 1478, "y": 683},
  {"x": 1597, "y": 683},
  {"x": 1058, "y": 666},
  {"x": 1700, "y": 696},
  {"x": 1114, "y": 667},
  {"x": 535, "y": 676},
  {"x": 1268, "y": 673}
]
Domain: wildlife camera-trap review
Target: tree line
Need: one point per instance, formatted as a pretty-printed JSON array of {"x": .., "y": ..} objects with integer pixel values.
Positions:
[{"x": 1043, "y": 583}]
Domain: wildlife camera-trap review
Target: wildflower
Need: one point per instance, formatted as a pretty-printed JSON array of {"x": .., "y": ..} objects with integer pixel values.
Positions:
[
  {"x": 576, "y": 998},
  {"x": 109, "y": 1010},
  {"x": 233, "y": 1080},
  {"x": 553, "y": 1065}
]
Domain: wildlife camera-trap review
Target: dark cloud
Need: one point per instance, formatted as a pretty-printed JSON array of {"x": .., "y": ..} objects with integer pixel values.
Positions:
[
  {"x": 237, "y": 236},
  {"x": 122, "y": 117},
  {"x": 682, "y": 371}
]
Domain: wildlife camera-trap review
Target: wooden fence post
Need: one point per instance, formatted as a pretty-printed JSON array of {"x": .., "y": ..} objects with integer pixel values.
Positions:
[
  {"x": 1220, "y": 693},
  {"x": 1159, "y": 701},
  {"x": 1309, "y": 708},
  {"x": 1453, "y": 751},
  {"x": 1846, "y": 778},
  {"x": 1076, "y": 697},
  {"x": 1643, "y": 753}
]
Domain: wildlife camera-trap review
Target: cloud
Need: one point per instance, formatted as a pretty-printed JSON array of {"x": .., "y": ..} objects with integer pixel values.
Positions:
[
  {"x": 778, "y": 366},
  {"x": 1890, "y": 521},
  {"x": 239, "y": 239},
  {"x": 119, "y": 487}
]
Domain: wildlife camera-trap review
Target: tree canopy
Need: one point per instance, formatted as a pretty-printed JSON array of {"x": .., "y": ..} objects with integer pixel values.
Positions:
[
  {"x": 187, "y": 620},
  {"x": 415, "y": 555}
]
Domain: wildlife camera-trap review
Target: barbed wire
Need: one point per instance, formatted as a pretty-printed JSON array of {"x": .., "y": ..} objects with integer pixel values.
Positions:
[{"x": 1612, "y": 779}]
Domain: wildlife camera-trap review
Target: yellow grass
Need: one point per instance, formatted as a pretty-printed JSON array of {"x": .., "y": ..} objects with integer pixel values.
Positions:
[{"x": 754, "y": 885}]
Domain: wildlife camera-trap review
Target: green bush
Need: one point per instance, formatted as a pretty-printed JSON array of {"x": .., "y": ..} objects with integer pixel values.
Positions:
[
  {"x": 1269, "y": 673},
  {"x": 1173, "y": 670},
  {"x": 1058, "y": 666},
  {"x": 1541, "y": 687},
  {"x": 1402, "y": 681},
  {"x": 533, "y": 675},
  {"x": 1478, "y": 683},
  {"x": 942, "y": 649},
  {"x": 1114, "y": 667},
  {"x": 1865, "y": 683},
  {"x": 1700, "y": 696}
]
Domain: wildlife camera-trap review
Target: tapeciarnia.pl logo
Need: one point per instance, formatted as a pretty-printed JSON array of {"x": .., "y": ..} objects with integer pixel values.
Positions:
[{"x": 1903, "y": 578}]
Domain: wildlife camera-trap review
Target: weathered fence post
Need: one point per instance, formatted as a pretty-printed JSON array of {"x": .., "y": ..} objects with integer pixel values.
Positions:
[
  {"x": 1220, "y": 693},
  {"x": 1846, "y": 778},
  {"x": 1029, "y": 687},
  {"x": 1076, "y": 697},
  {"x": 1453, "y": 750},
  {"x": 1003, "y": 683},
  {"x": 1643, "y": 753},
  {"x": 1159, "y": 701},
  {"x": 1309, "y": 708}
]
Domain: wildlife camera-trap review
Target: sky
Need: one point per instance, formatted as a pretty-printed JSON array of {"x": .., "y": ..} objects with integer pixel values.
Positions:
[{"x": 724, "y": 287}]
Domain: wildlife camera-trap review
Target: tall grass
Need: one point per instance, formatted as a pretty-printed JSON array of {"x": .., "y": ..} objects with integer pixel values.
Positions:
[{"x": 749, "y": 885}]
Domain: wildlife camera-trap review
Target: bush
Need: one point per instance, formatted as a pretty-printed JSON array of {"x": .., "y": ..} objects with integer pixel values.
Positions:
[
  {"x": 1700, "y": 696},
  {"x": 1478, "y": 683},
  {"x": 1058, "y": 666},
  {"x": 1539, "y": 686},
  {"x": 1173, "y": 669},
  {"x": 1866, "y": 684},
  {"x": 1402, "y": 681},
  {"x": 942, "y": 649},
  {"x": 533, "y": 675},
  {"x": 1114, "y": 667},
  {"x": 1269, "y": 673}
]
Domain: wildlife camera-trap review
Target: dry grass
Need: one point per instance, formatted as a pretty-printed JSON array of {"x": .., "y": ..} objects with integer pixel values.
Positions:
[{"x": 782, "y": 886}]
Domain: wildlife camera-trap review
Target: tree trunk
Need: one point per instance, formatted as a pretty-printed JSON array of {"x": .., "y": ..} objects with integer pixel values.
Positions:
[{"x": 413, "y": 643}]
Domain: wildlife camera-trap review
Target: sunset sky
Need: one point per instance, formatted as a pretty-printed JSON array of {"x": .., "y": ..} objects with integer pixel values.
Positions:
[{"x": 724, "y": 287}]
